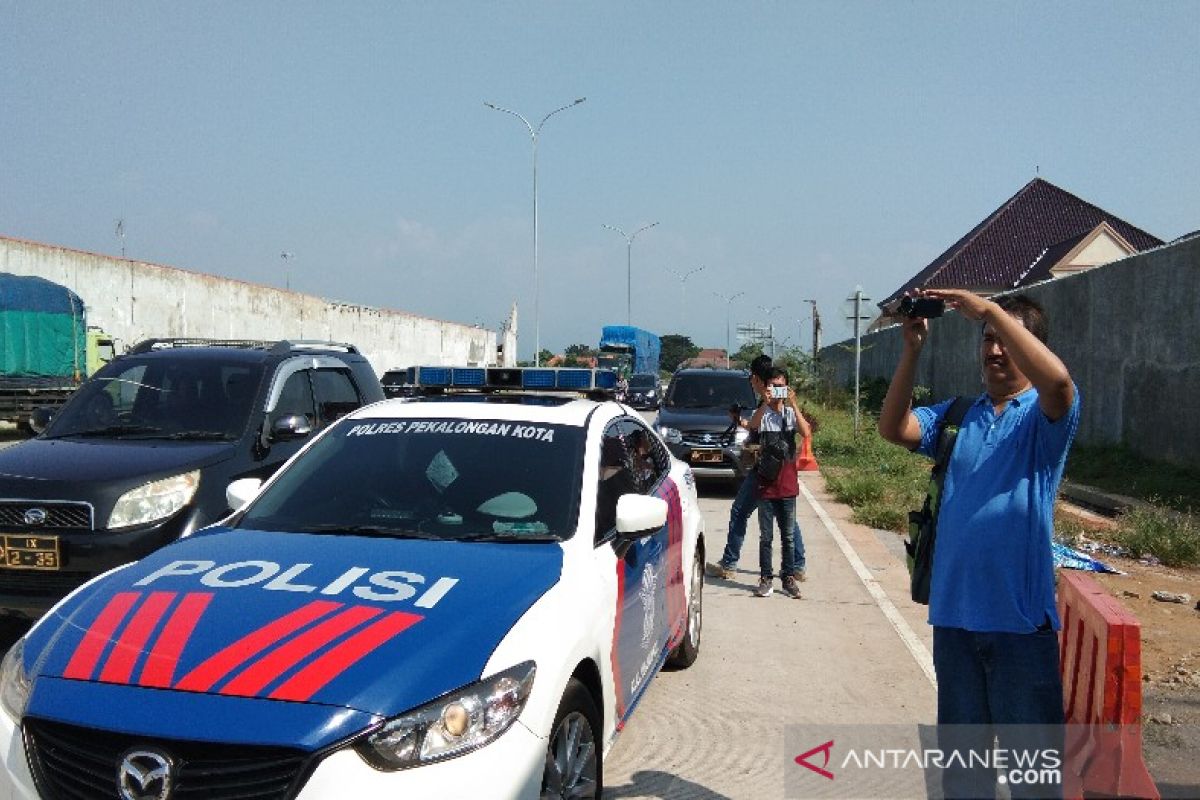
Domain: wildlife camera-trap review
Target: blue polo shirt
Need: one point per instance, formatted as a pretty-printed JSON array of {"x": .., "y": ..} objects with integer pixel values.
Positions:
[{"x": 993, "y": 568}]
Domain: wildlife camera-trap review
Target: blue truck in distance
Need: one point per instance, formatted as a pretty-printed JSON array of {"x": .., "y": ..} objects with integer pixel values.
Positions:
[{"x": 629, "y": 350}]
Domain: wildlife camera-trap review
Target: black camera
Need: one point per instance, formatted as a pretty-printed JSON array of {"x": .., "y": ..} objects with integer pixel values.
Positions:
[{"x": 922, "y": 307}]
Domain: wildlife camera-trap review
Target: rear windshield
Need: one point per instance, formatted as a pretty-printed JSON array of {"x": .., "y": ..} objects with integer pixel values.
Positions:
[
  {"x": 430, "y": 478},
  {"x": 643, "y": 382},
  {"x": 711, "y": 391}
]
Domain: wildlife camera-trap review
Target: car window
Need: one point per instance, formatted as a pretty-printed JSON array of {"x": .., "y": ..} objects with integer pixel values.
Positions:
[
  {"x": 296, "y": 399},
  {"x": 616, "y": 477},
  {"x": 711, "y": 391},
  {"x": 642, "y": 381},
  {"x": 649, "y": 458},
  {"x": 187, "y": 398},
  {"x": 436, "y": 478},
  {"x": 335, "y": 394}
]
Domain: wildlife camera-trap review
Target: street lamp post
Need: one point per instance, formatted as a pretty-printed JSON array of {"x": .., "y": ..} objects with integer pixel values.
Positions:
[
  {"x": 287, "y": 273},
  {"x": 683, "y": 276},
  {"x": 629, "y": 266},
  {"x": 533, "y": 135},
  {"x": 728, "y": 304}
]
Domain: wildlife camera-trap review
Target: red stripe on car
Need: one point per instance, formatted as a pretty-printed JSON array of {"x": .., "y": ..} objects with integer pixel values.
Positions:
[
  {"x": 309, "y": 680},
  {"x": 97, "y": 637},
  {"x": 250, "y": 681},
  {"x": 129, "y": 648},
  {"x": 164, "y": 657},
  {"x": 217, "y": 666}
]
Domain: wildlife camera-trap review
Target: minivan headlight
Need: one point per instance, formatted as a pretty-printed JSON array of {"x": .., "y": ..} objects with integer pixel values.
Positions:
[
  {"x": 154, "y": 500},
  {"x": 14, "y": 682},
  {"x": 452, "y": 725},
  {"x": 670, "y": 435},
  {"x": 740, "y": 436}
]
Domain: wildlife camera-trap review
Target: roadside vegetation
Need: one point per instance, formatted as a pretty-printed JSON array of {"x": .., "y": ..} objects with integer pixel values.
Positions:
[{"x": 882, "y": 482}]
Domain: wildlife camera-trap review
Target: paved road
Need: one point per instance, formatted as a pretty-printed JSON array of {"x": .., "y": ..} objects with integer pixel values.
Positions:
[{"x": 853, "y": 650}]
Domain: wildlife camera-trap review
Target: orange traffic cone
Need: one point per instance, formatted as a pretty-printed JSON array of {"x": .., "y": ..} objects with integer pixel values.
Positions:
[{"x": 807, "y": 462}]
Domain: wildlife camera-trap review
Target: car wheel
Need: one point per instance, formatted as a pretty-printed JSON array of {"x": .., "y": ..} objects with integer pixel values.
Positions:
[
  {"x": 574, "y": 765},
  {"x": 685, "y": 653}
]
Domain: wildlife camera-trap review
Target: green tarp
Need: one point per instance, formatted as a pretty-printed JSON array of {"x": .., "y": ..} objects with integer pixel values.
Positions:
[{"x": 42, "y": 329}]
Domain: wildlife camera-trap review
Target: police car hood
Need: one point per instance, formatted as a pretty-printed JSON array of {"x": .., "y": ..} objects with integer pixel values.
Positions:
[{"x": 377, "y": 625}]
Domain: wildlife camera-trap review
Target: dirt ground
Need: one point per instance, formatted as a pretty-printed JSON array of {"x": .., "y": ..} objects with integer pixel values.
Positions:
[{"x": 1170, "y": 669}]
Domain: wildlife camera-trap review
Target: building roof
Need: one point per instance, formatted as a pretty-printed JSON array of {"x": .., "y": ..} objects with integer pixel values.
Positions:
[{"x": 998, "y": 253}]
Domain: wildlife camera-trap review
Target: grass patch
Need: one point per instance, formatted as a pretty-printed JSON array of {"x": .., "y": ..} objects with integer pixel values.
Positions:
[
  {"x": 1117, "y": 469},
  {"x": 878, "y": 480},
  {"x": 1170, "y": 536}
]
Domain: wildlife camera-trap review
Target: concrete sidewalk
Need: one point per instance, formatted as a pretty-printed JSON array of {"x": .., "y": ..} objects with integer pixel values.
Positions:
[{"x": 853, "y": 650}]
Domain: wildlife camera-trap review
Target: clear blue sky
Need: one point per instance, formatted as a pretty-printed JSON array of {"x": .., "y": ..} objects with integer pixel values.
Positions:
[{"x": 794, "y": 149}]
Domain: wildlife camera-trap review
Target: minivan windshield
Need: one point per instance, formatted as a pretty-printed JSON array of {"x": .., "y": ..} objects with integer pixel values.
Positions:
[
  {"x": 432, "y": 479},
  {"x": 157, "y": 398},
  {"x": 643, "y": 381},
  {"x": 718, "y": 390}
]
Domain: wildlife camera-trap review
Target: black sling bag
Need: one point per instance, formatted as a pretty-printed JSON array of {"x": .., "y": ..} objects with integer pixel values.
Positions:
[{"x": 922, "y": 525}]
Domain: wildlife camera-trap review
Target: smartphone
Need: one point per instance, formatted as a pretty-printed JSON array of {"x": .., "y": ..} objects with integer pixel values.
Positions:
[{"x": 779, "y": 392}]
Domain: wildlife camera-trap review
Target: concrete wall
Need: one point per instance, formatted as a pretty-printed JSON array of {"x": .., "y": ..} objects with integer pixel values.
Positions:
[
  {"x": 1128, "y": 331},
  {"x": 133, "y": 300}
]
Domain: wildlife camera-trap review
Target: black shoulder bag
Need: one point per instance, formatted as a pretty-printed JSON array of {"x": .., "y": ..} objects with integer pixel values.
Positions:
[
  {"x": 922, "y": 525},
  {"x": 777, "y": 449}
]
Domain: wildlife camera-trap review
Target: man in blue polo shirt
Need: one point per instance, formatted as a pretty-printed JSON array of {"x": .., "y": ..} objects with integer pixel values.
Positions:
[{"x": 991, "y": 604}]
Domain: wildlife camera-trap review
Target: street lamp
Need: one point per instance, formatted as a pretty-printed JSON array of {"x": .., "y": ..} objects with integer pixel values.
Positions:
[
  {"x": 683, "y": 276},
  {"x": 533, "y": 135},
  {"x": 287, "y": 273},
  {"x": 629, "y": 267},
  {"x": 728, "y": 304}
]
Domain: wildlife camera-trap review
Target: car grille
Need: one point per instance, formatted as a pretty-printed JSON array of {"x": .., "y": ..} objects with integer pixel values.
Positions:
[
  {"x": 38, "y": 583},
  {"x": 59, "y": 515},
  {"x": 707, "y": 438},
  {"x": 70, "y": 762}
]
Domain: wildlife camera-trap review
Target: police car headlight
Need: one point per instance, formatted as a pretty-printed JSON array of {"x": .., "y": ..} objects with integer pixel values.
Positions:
[
  {"x": 154, "y": 500},
  {"x": 670, "y": 435},
  {"x": 740, "y": 436},
  {"x": 14, "y": 682},
  {"x": 452, "y": 725}
]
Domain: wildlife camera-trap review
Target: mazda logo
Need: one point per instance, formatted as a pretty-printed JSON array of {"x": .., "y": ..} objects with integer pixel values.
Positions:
[
  {"x": 144, "y": 775},
  {"x": 35, "y": 516}
]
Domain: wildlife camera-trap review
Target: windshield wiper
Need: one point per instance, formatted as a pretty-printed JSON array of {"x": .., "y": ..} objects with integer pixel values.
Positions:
[
  {"x": 367, "y": 530},
  {"x": 113, "y": 430},
  {"x": 198, "y": 435},
  {"x": 508, "y": 536}
]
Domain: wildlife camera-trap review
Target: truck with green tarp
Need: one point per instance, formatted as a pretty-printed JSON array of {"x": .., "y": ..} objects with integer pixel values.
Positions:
[{"x": 46, "y": 348}]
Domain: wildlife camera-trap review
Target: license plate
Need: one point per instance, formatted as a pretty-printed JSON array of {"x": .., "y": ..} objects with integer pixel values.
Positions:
[
  {"x": 32, "y": 552},
  {"x": 706, "y": 456}
]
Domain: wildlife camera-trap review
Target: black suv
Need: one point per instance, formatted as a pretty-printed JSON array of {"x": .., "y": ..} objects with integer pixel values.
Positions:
[
  {"x": 644, "y": 391},
  {"x": 143, "y": 451},
  {"x": 396, "y": 383},
  {"x": 694, "y": 418}
]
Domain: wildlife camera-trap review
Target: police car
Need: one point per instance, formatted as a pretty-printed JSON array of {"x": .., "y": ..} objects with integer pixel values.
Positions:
[{"x": 464, "y": 595}]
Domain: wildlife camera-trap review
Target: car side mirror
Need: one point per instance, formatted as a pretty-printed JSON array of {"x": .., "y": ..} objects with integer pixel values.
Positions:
[
  {"x": 39, "y": 418},
  {"x": 639, "y": 516},
  {"x": 241, "y": 492},
  {"x": 293, "y": 426}
]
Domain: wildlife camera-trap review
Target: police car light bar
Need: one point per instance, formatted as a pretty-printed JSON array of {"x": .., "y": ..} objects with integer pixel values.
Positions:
[{"x": 544, "y": 379}]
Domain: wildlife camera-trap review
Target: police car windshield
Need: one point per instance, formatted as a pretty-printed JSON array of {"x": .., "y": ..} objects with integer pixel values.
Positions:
[
  {"x": 200, "y": 398},
  {"x": 446, "y": 478}
]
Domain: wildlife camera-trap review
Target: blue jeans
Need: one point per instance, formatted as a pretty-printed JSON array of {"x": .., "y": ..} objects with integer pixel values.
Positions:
[
  {"x": 739, "y": 515},
  {"x": 1009, "y": 680},
  {"x": 783, "y": 509}
]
